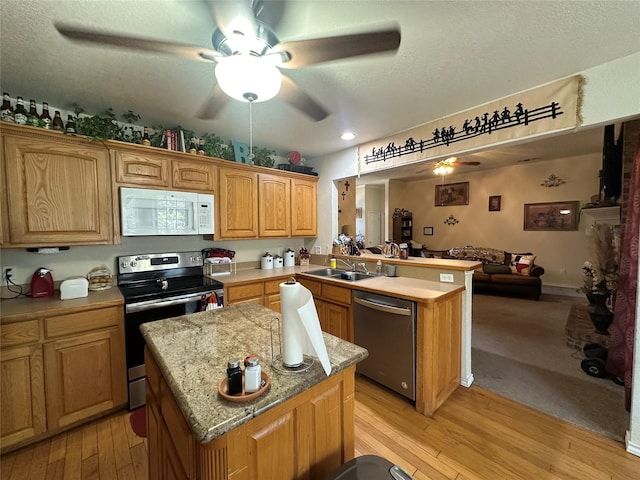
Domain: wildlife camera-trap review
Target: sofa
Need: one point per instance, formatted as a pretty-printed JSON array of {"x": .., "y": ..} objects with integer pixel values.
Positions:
[{"x": 502, "y": 272}]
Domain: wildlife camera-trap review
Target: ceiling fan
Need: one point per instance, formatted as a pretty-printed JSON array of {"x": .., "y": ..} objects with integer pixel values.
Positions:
[
  {"x": 445, "y": 167},
  {"x": 248, "y": 55}
]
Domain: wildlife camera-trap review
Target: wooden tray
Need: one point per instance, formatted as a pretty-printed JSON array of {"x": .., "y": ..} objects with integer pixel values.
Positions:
[{"x": 243, "y": 397}]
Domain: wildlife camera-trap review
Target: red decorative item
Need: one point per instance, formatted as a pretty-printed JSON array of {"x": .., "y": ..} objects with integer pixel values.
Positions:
[
  {"x": 138, "y": 420},
  {"x": 294, "y": 158}
]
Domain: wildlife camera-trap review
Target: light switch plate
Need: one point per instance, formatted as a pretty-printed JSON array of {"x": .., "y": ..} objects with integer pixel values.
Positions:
[{"x": 446, "y": 277}]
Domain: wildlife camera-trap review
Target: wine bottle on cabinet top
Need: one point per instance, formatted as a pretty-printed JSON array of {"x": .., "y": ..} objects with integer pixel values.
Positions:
[
  {"x": 71, "y": 125},
  {"x": 146, "y": 140},
  {"x": 6, "y": 111},
  {"x": 57, "y": 121},
  {"x": 20, "y": 113},
  {"x": 45, "y": 117}
]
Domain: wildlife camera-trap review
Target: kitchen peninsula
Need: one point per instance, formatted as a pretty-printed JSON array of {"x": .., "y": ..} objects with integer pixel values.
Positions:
[{"x": 302, "y": 426}]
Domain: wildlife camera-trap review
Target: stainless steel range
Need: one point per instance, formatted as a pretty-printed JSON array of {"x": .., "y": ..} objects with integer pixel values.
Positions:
[{"x": 157, "y": 286}]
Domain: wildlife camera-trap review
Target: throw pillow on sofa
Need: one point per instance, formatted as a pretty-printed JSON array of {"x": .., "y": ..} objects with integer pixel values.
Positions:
[
  {"x": 521, "y": 264},
  {"x": 490, "y": 268}
]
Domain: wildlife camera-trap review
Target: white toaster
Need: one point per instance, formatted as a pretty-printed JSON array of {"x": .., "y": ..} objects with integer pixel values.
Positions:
[{"x": 75, "y": 287}]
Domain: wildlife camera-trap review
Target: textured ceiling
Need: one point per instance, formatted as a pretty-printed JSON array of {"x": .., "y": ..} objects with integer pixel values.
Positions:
[{"x": 453, "y": 56}]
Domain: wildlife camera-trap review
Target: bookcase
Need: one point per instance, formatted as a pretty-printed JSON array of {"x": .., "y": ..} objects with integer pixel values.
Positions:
[{"x": 403, "y": 228}]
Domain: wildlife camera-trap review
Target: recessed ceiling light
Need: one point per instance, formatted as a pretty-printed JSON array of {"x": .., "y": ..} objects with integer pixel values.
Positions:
[{"x": 348, "y": 136}]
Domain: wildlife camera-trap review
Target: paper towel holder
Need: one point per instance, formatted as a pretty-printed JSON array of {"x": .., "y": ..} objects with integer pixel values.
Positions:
[{"x": 277, "y": 360}]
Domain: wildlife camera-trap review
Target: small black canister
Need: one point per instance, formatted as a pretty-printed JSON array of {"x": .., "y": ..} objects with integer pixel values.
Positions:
[{"x": 234, "y": 377}]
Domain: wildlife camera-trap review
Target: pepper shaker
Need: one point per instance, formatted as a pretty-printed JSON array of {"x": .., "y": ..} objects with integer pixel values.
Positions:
[{"x": 234, "y": 377}]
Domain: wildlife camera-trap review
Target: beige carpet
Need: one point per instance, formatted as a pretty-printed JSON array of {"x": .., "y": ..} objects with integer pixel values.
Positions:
[{"x": 519, "y": 350}]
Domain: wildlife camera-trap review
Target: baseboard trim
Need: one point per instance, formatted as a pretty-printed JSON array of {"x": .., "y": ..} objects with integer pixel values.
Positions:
[
  {"x": 567, "y": 291},
  {"x": 468, "y": 381},
  {"x": 632, "y": 448}
]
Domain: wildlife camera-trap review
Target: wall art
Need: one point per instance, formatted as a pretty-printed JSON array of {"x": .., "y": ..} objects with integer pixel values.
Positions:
[
  {"x": 427, "y": 230},
  {"x": 495, "y": 202},
  {"x": 452, "y": 194},
  {"x": 558, "y": 216}
]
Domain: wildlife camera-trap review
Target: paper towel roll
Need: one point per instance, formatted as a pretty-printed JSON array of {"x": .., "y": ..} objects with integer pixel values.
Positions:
[{"x": 301, "y": 332}]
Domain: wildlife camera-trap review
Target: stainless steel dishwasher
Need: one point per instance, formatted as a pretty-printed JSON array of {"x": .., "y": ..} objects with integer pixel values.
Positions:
[{"x": 386, "y": 326}]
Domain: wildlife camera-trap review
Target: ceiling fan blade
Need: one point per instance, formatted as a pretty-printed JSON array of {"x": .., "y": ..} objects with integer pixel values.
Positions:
[
  {"x": 234, "y": 16},
  {"x": 298, "y": 99},
  {"x": 214, "y": 104},
  {"x": 193, "y": 52},
  {"x": 465, "y": 163},
  {"x": 300, "y": 53}
]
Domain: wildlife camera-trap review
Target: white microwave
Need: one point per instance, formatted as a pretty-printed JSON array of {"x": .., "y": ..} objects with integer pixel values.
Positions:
[{"x": 165, "y": 212}]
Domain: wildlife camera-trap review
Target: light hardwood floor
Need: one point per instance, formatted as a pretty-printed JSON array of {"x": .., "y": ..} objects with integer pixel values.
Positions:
[{"x": 476, "y": 434}]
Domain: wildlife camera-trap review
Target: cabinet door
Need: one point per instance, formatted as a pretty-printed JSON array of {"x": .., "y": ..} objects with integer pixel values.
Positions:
[
  {"x": 193, "y": 175},
  {"x": 336, "y": 318},
  {"x": 84, "y": 376},
  {"x": 304, "y": 208},
  {"x": 58, "y": 193},
  {"x": 21, "y": 394},
  {"x": 238, "y": 203},
  {"x": 274, "y": 206},
  {"x": 141, "y": 169}
]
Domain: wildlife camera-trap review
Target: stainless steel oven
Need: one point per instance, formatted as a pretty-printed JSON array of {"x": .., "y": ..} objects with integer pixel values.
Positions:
[{"x": 158, "y": 286}]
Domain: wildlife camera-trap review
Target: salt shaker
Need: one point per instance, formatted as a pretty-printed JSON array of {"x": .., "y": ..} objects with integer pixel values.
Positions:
[
  {"x": 252, "y": 376},
  {"x": 234, "y": 377}
]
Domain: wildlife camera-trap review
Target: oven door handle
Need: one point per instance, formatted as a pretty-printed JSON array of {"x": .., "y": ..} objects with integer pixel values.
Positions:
[{"x": 152, "y": 304}]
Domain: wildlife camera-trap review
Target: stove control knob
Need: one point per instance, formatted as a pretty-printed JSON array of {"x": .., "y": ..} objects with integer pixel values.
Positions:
[
  {"x": 133, "y": 263},
  {"x": 124, "y": 265}
]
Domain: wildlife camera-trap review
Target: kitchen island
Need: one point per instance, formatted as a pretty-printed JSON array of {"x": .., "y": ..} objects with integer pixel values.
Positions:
[{"x": 301, "y": 427}]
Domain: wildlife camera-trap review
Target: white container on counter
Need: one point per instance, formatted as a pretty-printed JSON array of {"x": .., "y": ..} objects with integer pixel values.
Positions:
[
  {"x": 289, "y": 258},
  {"x": 278, "y": 262},
  {"x": 266, "y": 262}
]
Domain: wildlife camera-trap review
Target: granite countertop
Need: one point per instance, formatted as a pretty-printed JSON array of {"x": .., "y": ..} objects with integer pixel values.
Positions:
[{"x": 192, "y": 352}]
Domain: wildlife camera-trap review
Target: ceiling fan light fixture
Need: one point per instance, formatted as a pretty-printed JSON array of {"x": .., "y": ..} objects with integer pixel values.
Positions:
[
  {"x": 243, "y": 76},
  {"x": 443, "y": 169},
  {"x": 348, "y": 136}
]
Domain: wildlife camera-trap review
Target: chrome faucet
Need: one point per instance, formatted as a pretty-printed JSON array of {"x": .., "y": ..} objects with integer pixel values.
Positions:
[
  {"x": 352, "y": 266},
  {"x": 363, "y": 266}
]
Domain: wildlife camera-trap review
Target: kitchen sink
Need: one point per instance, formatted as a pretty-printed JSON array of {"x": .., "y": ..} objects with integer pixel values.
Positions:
[
  {"x": 326, "y": 272},
  {"x": 340, "y": 274}
]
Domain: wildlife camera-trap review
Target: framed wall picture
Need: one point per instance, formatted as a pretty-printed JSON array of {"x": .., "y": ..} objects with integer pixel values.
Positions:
[
  {"x": 558, "y": 216},
  {"x": 495, "y": 201},
  {"x": 427, "y": 230},
  {"x": 452, "y": 194}
]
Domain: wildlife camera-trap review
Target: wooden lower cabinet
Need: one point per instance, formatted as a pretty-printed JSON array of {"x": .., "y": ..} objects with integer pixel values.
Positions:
[
  {"x": 82, "y": 376},
  {"x": 333, "y": 304},
  {"x": 59, "y": 371},
  {"x": 307, "y": 436},
  {"x": 22, "y": 394}
]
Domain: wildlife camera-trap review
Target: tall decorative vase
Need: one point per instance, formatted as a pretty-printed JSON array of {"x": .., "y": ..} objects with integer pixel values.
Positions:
[{"x": 599, "y": 313}]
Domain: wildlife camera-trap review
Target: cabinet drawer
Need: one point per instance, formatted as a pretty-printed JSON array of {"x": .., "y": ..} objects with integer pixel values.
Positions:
[
  {"x": 273, "y": 286},
  {"x": 240, "y": 292},
  {"x": 337, "y": 294},
  {"x": 19, "y": 333},
  {"x": 314, "y": 287},
  {"x": 82, "y": 321}
]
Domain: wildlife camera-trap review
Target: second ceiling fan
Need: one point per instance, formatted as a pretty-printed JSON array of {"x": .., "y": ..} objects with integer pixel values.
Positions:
[{"x": 249, "y": 56}]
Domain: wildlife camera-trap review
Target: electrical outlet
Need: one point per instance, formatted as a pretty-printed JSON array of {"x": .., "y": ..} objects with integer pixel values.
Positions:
[
  {"x": 10, "y": 271},
  {"x": 318, "y": 249},
  {"x": 446, "y": 277}
]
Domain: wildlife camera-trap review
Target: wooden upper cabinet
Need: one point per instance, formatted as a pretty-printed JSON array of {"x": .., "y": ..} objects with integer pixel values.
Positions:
[
  {"x": 141, "y": 169},
  {"x": 304, "y": 208},
  {"x": 157, "y": 168},
  {"x": 58, "y": 191},
  {"x": 193, "y": 175},
  {"x": 274, "y": 206},
  {"x": 237, "y": 202}
]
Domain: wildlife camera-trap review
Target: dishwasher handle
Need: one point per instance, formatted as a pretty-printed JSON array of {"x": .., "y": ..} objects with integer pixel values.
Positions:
[{"x": 383, "y": 307}]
